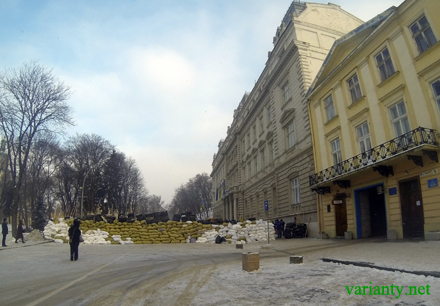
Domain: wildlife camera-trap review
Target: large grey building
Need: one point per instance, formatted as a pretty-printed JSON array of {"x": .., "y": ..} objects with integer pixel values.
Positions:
[{"x": 267, "y": 153}]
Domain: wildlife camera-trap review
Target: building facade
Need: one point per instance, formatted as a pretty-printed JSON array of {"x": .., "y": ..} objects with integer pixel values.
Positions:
[
  {"x": 375, "y": 118},
  {"x": 267, "y": 155}
]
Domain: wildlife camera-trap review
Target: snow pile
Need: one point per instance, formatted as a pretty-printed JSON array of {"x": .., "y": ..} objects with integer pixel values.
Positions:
[
  {"x": 35, "y": 235},
  {"x": 239, "y": 233}
]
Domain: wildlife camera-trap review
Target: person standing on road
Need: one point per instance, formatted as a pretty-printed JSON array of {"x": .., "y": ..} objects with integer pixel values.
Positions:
[
  {"x": 19, "y": 232},
  {"x": 4, "y": 231},
  {"x": 74, "y": 234},
  {"x": 278, "y": 228},
  {"x": 282, "y": 226}
]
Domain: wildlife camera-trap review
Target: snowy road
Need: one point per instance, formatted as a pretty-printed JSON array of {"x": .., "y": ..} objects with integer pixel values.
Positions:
[{"x": 209, "y": 274}]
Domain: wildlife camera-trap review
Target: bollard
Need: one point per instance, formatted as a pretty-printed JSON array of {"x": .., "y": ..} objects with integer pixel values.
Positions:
[
  {"x": 250, "y": 261},
  {"x": 296, "y": 259}
]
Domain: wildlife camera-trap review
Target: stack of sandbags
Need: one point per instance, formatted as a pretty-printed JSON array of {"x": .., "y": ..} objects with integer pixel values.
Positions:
[
  {"x": 240, "y": 233},
  {"x": 59, "y": 232},
  {"x": 95, "y": 237},
  {"x": 139, "y": 232},
  {"x": 136, "y": 232}
]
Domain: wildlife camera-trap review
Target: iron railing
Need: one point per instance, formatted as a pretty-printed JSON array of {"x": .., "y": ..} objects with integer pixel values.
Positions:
[{"x": 412, "y": 139}]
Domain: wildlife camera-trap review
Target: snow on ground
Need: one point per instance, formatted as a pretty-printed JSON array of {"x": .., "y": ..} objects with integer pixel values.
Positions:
[{"x": 313, "y": 283}]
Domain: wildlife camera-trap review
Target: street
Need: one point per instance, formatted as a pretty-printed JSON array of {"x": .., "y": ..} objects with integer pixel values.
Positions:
[{"x": 211, "y": 274}]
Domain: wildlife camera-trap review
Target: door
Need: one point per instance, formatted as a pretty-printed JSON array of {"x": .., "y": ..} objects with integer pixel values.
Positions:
[
  {"x": 340, "y": 215},
  {"x": 378, "y": 215},
  {"x": 412, "y": 208}
]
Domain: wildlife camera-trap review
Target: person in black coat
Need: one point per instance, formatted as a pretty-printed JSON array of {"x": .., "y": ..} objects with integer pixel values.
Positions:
[
  {"x": 4, "y": 231},
  {"x": 74, "y": 234},
  {"x": 20, "y": 231},
  {"x": 282, "y": 226}
]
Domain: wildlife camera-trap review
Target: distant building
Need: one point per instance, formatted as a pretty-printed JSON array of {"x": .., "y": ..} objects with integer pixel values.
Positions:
[
  {"x": 375, "y": 117},
  {"x": 267, "y": 153}
]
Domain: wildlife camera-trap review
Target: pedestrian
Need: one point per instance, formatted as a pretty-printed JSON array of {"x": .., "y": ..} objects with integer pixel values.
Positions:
[
  {"x": 4, "y": 231},
  {"x": 19, "y": 232},
  {"x": 278, "y": 228},
  {"x": 74, "y": 235},
  {"x": 282, "y": 226}
]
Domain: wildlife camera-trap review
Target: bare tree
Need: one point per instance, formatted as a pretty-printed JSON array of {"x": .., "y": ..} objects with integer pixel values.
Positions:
[
  {"x": 87, "y": 156},
  {"x": 32, "y": 100},
  {"x": 44, "y": 160},
  {"x": 194, "y": 196},
  {"x": 155, "y": 203}
]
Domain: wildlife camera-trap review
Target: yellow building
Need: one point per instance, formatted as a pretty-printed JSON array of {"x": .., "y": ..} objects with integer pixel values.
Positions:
[{"x": 375, "y": 115}]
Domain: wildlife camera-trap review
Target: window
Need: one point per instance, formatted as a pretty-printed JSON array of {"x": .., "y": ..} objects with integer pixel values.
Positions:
[
  {"x": 296, "y": 194},
  {"x": 336, "y": 151},
  {"x": 287, "y": 95},
  {"x": 269, "y": 114},
  {"x": 255, "y": 165},
  {"x": 254, "y": 133},
  {"x": 422, "y": 34},
  {"x": 355, "y": 89},
  {"x": 244, "y": 172},
  {"x": 399, "y": 120},
  {"x": 271, "y": 153},
  {"x": 291, "y": 135},
  {"x": 263, "y": 158},
  {"x": 243, "y": 149},
  {"x": 384, "y": 64},
  {"x": 261, "y": 125},
  {"x": 329, "y": 107},
  {"x": 436, "y": 89},
  {"x": 274, "y": 153},
  {"x": 363, "y": 134}
]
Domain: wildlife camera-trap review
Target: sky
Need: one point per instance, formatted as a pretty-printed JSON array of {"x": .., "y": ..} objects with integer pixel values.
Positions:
[{"x": 159, "y": 79}]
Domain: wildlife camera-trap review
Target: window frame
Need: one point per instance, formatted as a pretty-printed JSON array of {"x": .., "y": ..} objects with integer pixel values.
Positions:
[
  {"x": 384, "y": 76},
  {"x": 329, "y": 106},
  {"x": 296, "y": 190},
  {"x": 421, "y": 33},
  {"x": 364, "y": 141},
  {"x": 404, "y": 139},
  {"x": 355, "y": 88},
  {"x": 286, "y": 91},
  {"x": 270, "y": 116},
  {"x": 436, "y": 97},
  {"x": 401, "y": 119},
  {"x": 336, "y": 152},
  {"x": 290, "y": 132}
]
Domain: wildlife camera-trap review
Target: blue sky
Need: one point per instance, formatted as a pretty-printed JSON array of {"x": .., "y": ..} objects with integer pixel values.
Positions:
[{"x": 159, "y": 79}]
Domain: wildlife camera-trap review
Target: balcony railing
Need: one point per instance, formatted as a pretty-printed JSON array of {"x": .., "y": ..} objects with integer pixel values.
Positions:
[{"x": 415, "y": 138}]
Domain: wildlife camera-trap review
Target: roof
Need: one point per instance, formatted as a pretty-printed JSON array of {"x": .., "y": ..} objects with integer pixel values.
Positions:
[{"x": 347, "y": 45}]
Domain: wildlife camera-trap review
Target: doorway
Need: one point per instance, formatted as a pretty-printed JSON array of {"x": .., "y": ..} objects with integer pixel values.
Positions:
[
  {"x": 371, "y": 218},
  {"x": 412, "y": 208},
  {"x": 340, "y": 214}
]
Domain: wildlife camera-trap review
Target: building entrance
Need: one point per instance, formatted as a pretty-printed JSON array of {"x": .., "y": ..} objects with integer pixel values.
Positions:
[
  {"x": 412, "y": 208},
  {"x": 371, "y": 216},
  {"x": 340, "y": 214}
]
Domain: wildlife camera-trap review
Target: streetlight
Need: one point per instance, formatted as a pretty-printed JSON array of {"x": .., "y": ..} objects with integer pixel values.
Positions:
[{"x": 84, "y": 182}]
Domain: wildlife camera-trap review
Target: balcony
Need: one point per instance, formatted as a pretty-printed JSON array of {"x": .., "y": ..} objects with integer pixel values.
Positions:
[{"x": 417, "y": 138}]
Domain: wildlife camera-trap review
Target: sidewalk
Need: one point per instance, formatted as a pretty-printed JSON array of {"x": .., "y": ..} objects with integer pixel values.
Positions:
[
  {"x": 399, "y": 254},
  {"x": 10, "y": 241}
]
